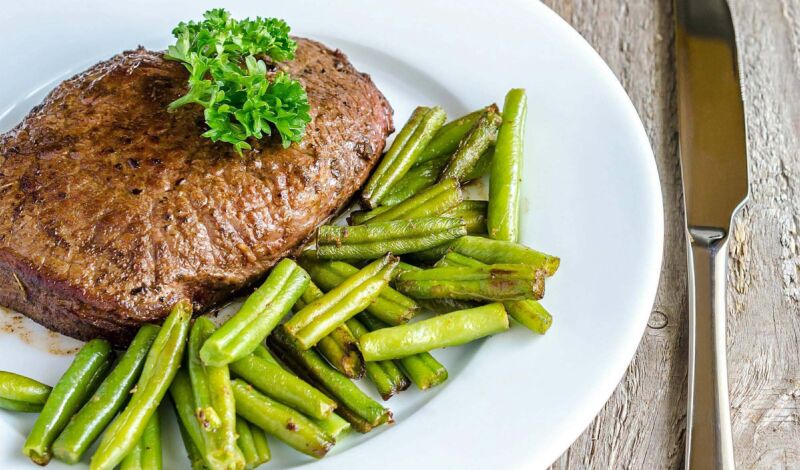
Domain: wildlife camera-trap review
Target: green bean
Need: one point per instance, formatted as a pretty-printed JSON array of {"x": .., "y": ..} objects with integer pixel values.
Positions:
[
  {"x": 453, "y": 259},
  {"x": 196, "y": 461},
  {"x": 183, "y": 400},
  {"x": 279, "y": 420},
  {"x": 529, "y": 313},
  {"x": 262, "y": 445},
  {"x": 160, "y": 367},
  {"x": 354, "y": 420},
  {"x": 192, "y": 452},
  {"x": 245, "y": 442},
  {"x": 310, "y": 365},
  {"x": 423, "y": 369},
  {"x": 133, "y": 461},
  {"x": 334, "y": 425},
  {"x": 318, "y": 305},
  {"x": 353, "y": 303},
  {"x": 340, "y": 348},
  {"x": 451, "y": 134},
  {"x": 359, "y": 234},
  {"x": 20, "y": 393},
  {"x": 253, "y": 451},
  {"x": 312, "y": 293},
  {"x": 417, "y": 179},
  {"x": 151, "y": 444},
  {"x": 146, "y": 455},
  {"x": 215, "y": 408},
  {"x": 283, "y": 386},
  {"x": 109, "y": 398},
  {"x": 374, "y": 240},
  {"x": 506, "y": 173},
  {"x": 398, "y": 145},
  {"x": 431, "y": 202},
  {"x": 361, "y": 216},
  {"x": 450, "y": 329},
  {"x": 21, "y": 406},
  {"x": 482, "y": 166},
  {"x": 473, "y": 213},
  {"x": 403, "y": 153},
  {"x": 390, "y": 306},
  {"x": 403, "y": 267},
  {"x": 240, "y": 335},
  {"x": 430, "y": 255},
  {"x": 319, "y": 318},
  {"x": 490, "y": 251},
  {"x": 472, "y": 147},
  {"x": 262, "y": 352},
  {"x": 435, "y": 305},
  {"x": 385, "y": 375},
  {"x": 70, "y": 393},
  {"x": 496, "y": 282}
]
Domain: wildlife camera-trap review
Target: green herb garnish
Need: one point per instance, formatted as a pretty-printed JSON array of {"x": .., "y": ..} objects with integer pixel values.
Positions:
[{"x": 228, "y": 79}]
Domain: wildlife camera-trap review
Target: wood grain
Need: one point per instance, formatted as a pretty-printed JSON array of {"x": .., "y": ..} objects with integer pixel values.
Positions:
[{"x": 642, "y": 425}]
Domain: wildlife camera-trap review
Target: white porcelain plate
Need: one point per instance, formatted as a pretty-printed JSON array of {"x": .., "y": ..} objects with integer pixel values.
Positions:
[{"x": 590, "y": 195}]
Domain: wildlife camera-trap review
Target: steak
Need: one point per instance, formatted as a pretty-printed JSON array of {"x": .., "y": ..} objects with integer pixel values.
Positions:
[{"x": 112, "y": 209}]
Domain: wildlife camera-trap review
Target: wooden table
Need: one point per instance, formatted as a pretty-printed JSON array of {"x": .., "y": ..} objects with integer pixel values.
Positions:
[{"x": 642, "y": 425}]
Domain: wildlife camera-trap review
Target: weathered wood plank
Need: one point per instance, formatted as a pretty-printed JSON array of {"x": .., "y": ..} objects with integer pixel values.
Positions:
[{"x": 642, "y": 425}]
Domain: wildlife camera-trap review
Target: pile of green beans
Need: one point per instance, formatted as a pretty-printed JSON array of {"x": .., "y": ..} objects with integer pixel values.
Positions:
[{"x": 227, "y": 389}]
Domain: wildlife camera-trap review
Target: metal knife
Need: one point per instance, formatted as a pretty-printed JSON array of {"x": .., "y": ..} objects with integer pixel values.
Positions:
[{"x": 713, "y": 157}]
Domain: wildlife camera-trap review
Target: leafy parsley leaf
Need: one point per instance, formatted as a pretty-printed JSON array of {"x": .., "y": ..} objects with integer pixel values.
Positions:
[{"x": 231, "y": 83}]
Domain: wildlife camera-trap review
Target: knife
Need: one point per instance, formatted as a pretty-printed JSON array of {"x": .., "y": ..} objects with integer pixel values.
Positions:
[{"x": 713, "y": 157}]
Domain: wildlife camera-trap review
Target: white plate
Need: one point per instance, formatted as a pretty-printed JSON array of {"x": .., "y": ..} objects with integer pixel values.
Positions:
[{"x": 591, "y": 196}]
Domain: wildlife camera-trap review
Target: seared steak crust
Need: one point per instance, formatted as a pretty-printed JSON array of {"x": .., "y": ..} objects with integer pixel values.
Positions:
[{"x": 112, "y": 209}]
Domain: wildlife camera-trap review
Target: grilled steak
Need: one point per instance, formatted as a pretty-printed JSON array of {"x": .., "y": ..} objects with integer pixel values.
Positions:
[{"x": 112, "y": 209}]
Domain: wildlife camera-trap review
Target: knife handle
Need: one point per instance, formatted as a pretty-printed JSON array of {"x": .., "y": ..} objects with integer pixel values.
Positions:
[{"x": 709, "y": 442}]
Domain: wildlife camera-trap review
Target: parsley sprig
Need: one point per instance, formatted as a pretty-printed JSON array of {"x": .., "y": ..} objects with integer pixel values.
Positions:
[{"x": 228, "y": 79}]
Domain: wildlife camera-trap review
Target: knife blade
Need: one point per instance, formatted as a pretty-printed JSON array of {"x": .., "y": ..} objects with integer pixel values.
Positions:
[
  {"x": 711, "y": 114},
  {"x": 713, "y": 156}
]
